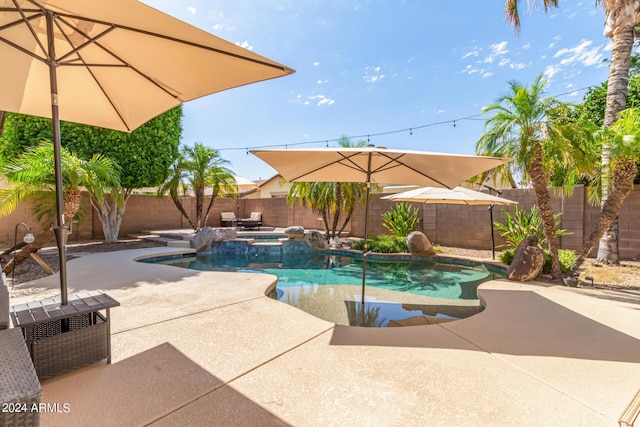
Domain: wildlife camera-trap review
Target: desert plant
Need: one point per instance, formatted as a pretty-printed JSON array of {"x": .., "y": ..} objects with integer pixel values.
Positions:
[
  {"x": 401, "y": 220},
  {"x": 383, "y": 244},
  {"x": 567, "y": 258},
  {"x": 523, "y": 224}
]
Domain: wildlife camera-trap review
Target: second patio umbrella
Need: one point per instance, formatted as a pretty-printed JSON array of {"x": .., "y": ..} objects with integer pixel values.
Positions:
[
  {"x": 110, "y": 63},
  {"x": 376, "y": 165},
  {"x": 457, "y": 195}
]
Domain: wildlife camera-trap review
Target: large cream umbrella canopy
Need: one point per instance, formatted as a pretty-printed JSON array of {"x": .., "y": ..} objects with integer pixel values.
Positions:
[
  {"x": 456, "y": 195},
  {"x": 377, "y": 165},
  {"x": 110, "y": 63}
]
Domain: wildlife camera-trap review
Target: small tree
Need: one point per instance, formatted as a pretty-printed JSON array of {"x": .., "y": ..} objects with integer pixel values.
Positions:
[
  {"x": 200, "y": 168},
  {"x": 32, "y": 175}
]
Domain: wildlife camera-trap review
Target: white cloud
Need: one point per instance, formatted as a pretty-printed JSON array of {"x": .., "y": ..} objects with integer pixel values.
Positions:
[
  {"x": 551, "y": 71},
  {"x": 318, "y": 100},
  {"x": 316, "y": 63},
  {"x": 503, "y": 62},
  {"x": 472, "y": 53},
  {"x": 192, "y": 10},
  {"x": 583, "y": 54},
  {"x": 218, "y": 27},
  {"x": 245, "y": 44},
  {"x": 322, "y": 81},
  {"x": 497, "y": 49},
  {"x": 517, "y": 65},
  {"x": 373, "y": 74},
  {"x": 487, "y": 74}
]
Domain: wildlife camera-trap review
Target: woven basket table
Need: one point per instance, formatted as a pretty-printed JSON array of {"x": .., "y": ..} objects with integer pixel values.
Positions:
[
  {"x": 20, "y": 390},
  {"x": 65, "y": 337}
]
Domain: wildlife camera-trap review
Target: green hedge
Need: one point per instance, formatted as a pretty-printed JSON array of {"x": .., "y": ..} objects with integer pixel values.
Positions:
[{"x": 383, "y": 244}]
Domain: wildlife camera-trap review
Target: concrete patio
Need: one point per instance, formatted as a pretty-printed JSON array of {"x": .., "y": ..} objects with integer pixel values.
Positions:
[{"x": 203, "y": 348}]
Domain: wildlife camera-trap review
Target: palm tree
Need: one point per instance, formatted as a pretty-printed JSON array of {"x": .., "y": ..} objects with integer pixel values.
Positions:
[
  {"x": 521, "y": 128},
  {"x": 623, "y": 140},
  {"x": 32, "y": 174},
  {"x": 199, "y": 167},
  {"x": 330, "y": 199},
  {"x": 622, "y": 18}
]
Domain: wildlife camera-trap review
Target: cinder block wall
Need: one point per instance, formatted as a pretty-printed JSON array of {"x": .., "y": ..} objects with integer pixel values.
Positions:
[{"x": 448, "y": 225}]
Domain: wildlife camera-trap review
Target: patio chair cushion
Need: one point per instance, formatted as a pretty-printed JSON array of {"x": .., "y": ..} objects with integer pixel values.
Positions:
[
  {"x": 255, "y": 216},
  {"x": 226, "y": 216}
]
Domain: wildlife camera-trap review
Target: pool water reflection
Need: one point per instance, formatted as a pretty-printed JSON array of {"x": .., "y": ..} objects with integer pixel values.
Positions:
[{"x": 329, "y": 286}]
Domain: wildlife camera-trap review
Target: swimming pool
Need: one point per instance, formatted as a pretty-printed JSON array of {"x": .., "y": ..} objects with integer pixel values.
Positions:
[{"x": 329, "y": 286}]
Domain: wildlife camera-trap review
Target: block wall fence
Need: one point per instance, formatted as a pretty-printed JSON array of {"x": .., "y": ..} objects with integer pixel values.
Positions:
[{"x": 445, "y": 224}]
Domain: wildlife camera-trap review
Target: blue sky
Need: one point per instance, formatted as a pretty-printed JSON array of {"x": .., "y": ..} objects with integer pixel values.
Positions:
[{"x": 377, "y": 67}]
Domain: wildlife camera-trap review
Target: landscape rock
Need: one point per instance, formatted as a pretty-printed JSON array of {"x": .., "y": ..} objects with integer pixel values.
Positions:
[
  {"x": 295, "y": 232},
  {"x": 316, "y": 239},
  {"x": 222, "y": 234},
  {"x": 528, "y": 261},
  {"x": 203, "y": 239},
  {"x": 419, "y": 244}
]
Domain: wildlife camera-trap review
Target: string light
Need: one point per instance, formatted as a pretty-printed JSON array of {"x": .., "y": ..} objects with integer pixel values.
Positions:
[{"x": 474, "y": 117}]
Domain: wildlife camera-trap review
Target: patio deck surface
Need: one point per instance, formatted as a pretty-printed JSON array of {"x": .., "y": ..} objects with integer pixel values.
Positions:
[{"x": 204, "y": 348}]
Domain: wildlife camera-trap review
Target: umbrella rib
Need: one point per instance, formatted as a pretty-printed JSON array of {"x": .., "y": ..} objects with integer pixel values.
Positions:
[
  {"x": 26, "y": 21},
  {"x": 395, "y": 159},
  {"x": 174, "y": 39}
]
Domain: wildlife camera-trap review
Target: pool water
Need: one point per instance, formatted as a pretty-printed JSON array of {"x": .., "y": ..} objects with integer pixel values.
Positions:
[{"x": 329, "y": 286}]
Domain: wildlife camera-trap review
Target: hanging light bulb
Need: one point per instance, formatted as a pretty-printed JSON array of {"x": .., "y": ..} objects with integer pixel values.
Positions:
[{"x": 28, "y": 238}]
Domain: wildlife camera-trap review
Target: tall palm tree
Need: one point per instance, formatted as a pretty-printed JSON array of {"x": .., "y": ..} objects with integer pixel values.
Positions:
[
  {"x": 622, "y": 18},
  {"x": 200, "y": 168},
  {"x": 623, "y": 140},
  {"x": 521, "y": 128},
  {"x": 32, "y": 175}
]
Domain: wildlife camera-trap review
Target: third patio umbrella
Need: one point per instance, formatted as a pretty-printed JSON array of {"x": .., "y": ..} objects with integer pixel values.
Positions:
[
  {"x": 377, "y": 165},
  {"x": 110, "y": 63},
  {"x": 457, "y": 195}
]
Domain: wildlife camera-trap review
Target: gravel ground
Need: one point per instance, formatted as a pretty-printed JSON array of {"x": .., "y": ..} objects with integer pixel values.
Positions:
[{"x": 624, "y": 276}]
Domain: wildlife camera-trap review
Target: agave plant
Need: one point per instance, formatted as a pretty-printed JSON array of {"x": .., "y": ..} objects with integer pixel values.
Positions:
[
  {"x": 523, "y": 224},
  {"x": 401, "y": 220}
]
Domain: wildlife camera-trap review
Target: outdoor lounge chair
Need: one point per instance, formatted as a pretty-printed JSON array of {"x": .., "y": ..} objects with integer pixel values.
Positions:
[
  {"x": 254, "y": 221},
  {"x": 228, "y": 219}
]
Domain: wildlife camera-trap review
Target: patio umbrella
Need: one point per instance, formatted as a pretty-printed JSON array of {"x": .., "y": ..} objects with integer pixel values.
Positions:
[
  {"x": 377, "y": 165},
  {"x": 457, "y": 195},
  {"x": 110, "y": 63}
]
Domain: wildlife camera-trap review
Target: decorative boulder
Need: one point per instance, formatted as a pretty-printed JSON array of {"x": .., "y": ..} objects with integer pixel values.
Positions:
[
  {"x": 222, "y": 234},
  {"x": 295, "y": 232},
  {"x": 528, "y": 261},
  {"x": 419, "y": 245},
  {"x": 203, "y": 239},
  {"x": 316, "y": 239}
]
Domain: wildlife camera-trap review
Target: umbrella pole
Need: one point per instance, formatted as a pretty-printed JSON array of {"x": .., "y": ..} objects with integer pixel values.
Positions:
[
  {"x": 366, "y": 245},
  {"x": 60, "y": 231}
]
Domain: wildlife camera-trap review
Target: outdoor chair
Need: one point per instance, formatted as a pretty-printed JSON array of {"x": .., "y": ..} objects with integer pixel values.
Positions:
[
  {"x": 228, "y": 219},
  {"x": 254, "y": 221}
]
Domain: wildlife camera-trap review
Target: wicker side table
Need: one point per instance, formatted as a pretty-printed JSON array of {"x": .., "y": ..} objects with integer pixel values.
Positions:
[
  {"x": 65, "y": 337},
  {"x": 20, "y": 390}
]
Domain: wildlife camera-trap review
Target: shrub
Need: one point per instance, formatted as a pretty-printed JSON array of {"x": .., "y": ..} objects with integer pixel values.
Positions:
[
  {"x": 383, "y": 244},
  {"x": 566, "y": 256},
  {"x": 523, "y": 224},
  {"x": 401, "y": 220}
]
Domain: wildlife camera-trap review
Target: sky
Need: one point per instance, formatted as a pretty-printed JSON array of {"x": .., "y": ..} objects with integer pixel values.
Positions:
[{"x": 405, "y": 74}]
